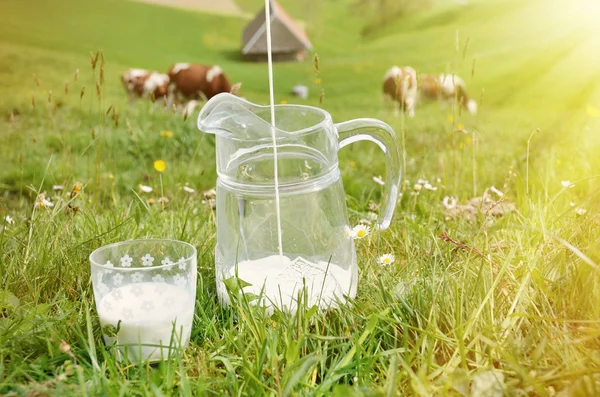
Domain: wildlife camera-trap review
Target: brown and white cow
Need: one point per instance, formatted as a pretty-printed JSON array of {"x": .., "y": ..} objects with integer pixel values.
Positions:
[
  {"x": 446, "y": 87},
  {"x": 400, "y": 85},
  {"x": 141, "y": 83},
  {"x": 195, "y": 81}
]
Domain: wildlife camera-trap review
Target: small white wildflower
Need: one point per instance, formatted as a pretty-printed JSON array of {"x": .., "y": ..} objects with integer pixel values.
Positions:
[
  {"x": 189, "y": 189},
  {"x": 372, "y": 216},
  {"x": 428, "y": 186},
  {"x": 386, "y": 259},
  {"x": 496, "y": 191},
  {"x": 449, "y": 202},
  {"x": 146, "y": 189},
  {"x": 439, "y": 180},
  {"x": 417, "y": 187},
  {"x": 43, "y": 202},
  {"x": 58, "y": 187},
  {"x": 9, "y": 220},
  {"x": 348, "y": 232},
  {"x": 163, "y": 200},
  {"x": 361, "y": 231},
  {"x": 572, "y": 203},
  {"x": 364, "y": 221},
  {"x": 567, "y": 184},
  {"x": 580, "y": 211},
  {"x": 378, "y": 180},
  {"x": 422, "y": 181}
]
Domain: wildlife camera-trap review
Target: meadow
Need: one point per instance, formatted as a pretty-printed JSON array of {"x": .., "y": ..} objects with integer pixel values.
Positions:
[{"x": 501, "y": 305}]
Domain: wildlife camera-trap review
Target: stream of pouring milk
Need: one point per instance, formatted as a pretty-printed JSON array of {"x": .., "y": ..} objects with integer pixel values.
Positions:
[{"x": 273, "y": 134}]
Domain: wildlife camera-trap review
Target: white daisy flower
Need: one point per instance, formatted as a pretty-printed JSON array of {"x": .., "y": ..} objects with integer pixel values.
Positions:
[
  {"x": 566, "y": 184},
  {"x": 158, "y": 279},
  {"x": 417, "y": 187},
  {"x": 386, "y": 259},
  {"x": 137, "y": 277},
  {"x": 58, "y": 187},
  {"x": 580, "y": 211},
  {"x": 428, "y": 186},
  {"x": 422, "y": 181},
  {"x": 147, "y": 260},
  {"x": 496, "y": 191},
  {"x": 9, "y": 220},
  {"x": 126, "y": 261},
  {"x": 146, "y": 189},
  {"x": 189, "y": 189},
  {"x": 378, "y": 180},
  {"x": 364, "y": 221},
  {"x": 449, "y": 202},
  {"x": 361, "y": 231},
  {"x": 43, "y": 202}
]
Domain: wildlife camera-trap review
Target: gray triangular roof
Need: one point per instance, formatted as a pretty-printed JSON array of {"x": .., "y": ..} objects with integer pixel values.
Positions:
[{"x": 287, "y": 35}]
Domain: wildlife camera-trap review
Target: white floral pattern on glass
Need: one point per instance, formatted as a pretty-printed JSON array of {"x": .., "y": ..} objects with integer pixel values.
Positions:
[
  {"x": 137, "y": 291},
  {"x": 169, "y": 301},
  {"x": 147, "y": 260},
  {"x": 179, "y": 280},
  {"x": 127, "y": 314},
  {"x": 99, "y": 276},
  {"x": 126, "y": 261},
  {"x": 147, "y": 305},
  {"x": 158, "y": 279},
  {"x": 182, "y": 264},
  {"x": 160, "y": 288},
  {"x": 102, "y": 288},
  {"x": 137, "y": 277},
  {"x": 108, "y": 264},
  {"x": 166, "y": 262},
  {"x": 118, "y": 295},
  {"x": 118, "y": 279}
]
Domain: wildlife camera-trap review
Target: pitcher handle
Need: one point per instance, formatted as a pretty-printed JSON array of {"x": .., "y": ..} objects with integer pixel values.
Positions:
[{"x": 384, "y": 136}]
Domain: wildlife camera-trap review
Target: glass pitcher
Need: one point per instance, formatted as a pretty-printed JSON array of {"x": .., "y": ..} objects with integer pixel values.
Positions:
[{"x": 319, "y": 259}]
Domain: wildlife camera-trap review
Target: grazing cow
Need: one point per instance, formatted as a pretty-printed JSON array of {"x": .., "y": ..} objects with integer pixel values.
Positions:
[
  {"x": 446, "y": 87},
  {"x": 141, "y": 83},
  {"x": 400, "y": 85},
  {"x": 194, "y": 81}
]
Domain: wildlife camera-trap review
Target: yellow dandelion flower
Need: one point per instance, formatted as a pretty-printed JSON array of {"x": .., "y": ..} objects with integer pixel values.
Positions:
[
  {"x": 460, "y": 126},
  {"x": 283, "y": 102},
  {"x": 150, "y": 201},
  {"x": 166, "y": 134},
  {"x": 160, "y": 165},
  {"x": 451, "y": 118},
  {"x": 318, "y": 81},
  {"x": 593, "y": 112}
]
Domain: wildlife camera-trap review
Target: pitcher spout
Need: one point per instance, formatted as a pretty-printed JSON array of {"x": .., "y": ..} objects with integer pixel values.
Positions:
[{"x": 232, "y": 117}]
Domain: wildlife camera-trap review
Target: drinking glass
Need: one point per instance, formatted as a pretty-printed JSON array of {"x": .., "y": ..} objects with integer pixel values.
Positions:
[{"x": 145, "y": 291}]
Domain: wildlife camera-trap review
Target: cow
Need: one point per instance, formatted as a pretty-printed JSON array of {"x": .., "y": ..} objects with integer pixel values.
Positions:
[
  {"x": 194, "y": 81},
  {"x": 446, "y": 87},
  {"x": 400, "y": 85},
  {"x": 141, "y": 83}
]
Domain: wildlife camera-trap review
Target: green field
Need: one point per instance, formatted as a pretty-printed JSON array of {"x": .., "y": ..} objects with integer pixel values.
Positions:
[{"x": 514, "y": 307}]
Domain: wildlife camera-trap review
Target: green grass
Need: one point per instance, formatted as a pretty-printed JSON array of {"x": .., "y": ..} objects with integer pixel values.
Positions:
[{"x": 434, "y": 323}]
